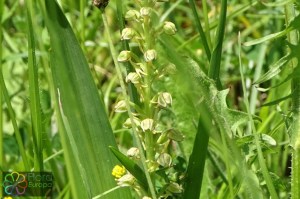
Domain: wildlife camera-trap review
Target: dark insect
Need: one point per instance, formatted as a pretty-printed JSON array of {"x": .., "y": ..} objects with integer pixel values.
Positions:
[{"x": 101, "y": 4}]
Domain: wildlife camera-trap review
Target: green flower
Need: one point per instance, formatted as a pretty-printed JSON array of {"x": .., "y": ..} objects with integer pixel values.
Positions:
[
  {"x": 120, "y": 107},
  {"x": 124, "y": 56},
  {"x": 169, "y": 28},
  {"x": 127, "y": 34},
  {"x": 133, "y": 152},
  {"x": 164, "y": 99},
  {"x": 133, "y": 78},
  {"x": 132, "y": 15},
  {"x": 147, "y": 125},
  {"x": 150, "y": 55},
  {"x": 145, "y": 11}
]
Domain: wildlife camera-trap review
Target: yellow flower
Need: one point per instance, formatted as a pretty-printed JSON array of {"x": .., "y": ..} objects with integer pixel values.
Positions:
[
  {"x": 118, "y": 171},
  {"x": 7, "y": 197}
]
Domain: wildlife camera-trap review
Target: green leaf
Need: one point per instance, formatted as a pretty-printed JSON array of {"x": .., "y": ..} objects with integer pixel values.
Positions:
[
  {"x": 35, "y": 108},
  {"x": 292, "y": 26},
  {"x": 84, "y": 127},
  {"x": 131, "y": 166},
  {"x": 277, "y": 101},
  {"x": 269, "y": 37},
  {"x": 274, "y": 70},
  {"x": 195, "y": 170},
  {"x": 276, "y": 4}
]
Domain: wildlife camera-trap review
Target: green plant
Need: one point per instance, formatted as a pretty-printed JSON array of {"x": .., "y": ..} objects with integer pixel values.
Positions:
[{"x": 156, "y": 99}]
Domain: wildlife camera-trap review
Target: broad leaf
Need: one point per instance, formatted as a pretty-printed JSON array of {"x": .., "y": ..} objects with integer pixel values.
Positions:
[{"x": 85, "y": 130}]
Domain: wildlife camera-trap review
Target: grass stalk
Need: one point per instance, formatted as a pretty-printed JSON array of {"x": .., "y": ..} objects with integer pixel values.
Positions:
[
  {"x": 215, "y": 61},
  {"x": 206, "y": 23},
  {"x": 195, "y": 170},
  {"x": 295, "y": 88},
  {"x": 200, "y": 30},
  {"x": 35, "y": 108},
  {"x": 14, "y": 122},
  {"x": 136, "y": 136}
]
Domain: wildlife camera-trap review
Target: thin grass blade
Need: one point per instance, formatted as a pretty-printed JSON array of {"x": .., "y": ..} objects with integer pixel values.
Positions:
[
  {"x": 195, "y": 170},
  {"x": 35, "y": 109}
]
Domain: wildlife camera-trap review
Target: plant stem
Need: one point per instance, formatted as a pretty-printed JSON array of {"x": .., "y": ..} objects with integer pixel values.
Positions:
[
  {"x": 215, "y": 62},
  {"x": 135, "y": 133},
  {"x": 35, "y": 109},
  {"x": 206, "y": 23},
  {"x": 14, "y": 122},
  {"x": 149, "y": 45},
  {"x": 200, "y": 30},
  {"x": 295, "y": 89}
]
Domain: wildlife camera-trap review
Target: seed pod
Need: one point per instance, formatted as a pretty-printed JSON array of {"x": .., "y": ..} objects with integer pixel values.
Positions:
[{"x": 101, "y": 4}]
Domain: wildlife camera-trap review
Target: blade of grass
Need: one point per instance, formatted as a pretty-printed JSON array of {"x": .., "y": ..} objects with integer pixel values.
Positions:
[
  {"x": 214, "y": 24},
  {"x": 200, "y": 30},
  {"x": 14, "y": 123},
  {"x": 35, "y": 109},
  {"x": 85, "y": 130},
  {"x": 168, "y": 12},
  {"x": 45, "y": 100},
  {"x": 195, "y": 169},
  {"x": 206, "y": 23},
  {"x": 215, "y": 61}
]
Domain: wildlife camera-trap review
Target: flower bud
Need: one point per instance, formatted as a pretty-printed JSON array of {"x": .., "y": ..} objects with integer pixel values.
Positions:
[
  {"x": 120, "y": 107},
  {"x": 164, "y": 99},
  {"x": 174, "y": 188},
  {"x": 132, "y": 15},
  {"x": 127, "y": 34},
  {"x": 164, "y": 160},
  {"x": 133, "y": 152},
  {"x": 124, "y": 56},
  {"x": 150, "y": 55},
  {"x": 146, "y": 197},
  {"x": 169, "y": 28},
  {"x": 145, "y": 11},
  {"x": 127, "y": 124},
  {"x": 126, "y": 180},
  {"x": 147, "y": 125},
  {"x": 133, "y": 78}
]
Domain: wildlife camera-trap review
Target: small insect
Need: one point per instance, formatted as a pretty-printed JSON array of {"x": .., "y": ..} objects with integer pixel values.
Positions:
[{"x": 101, "y": 4}]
